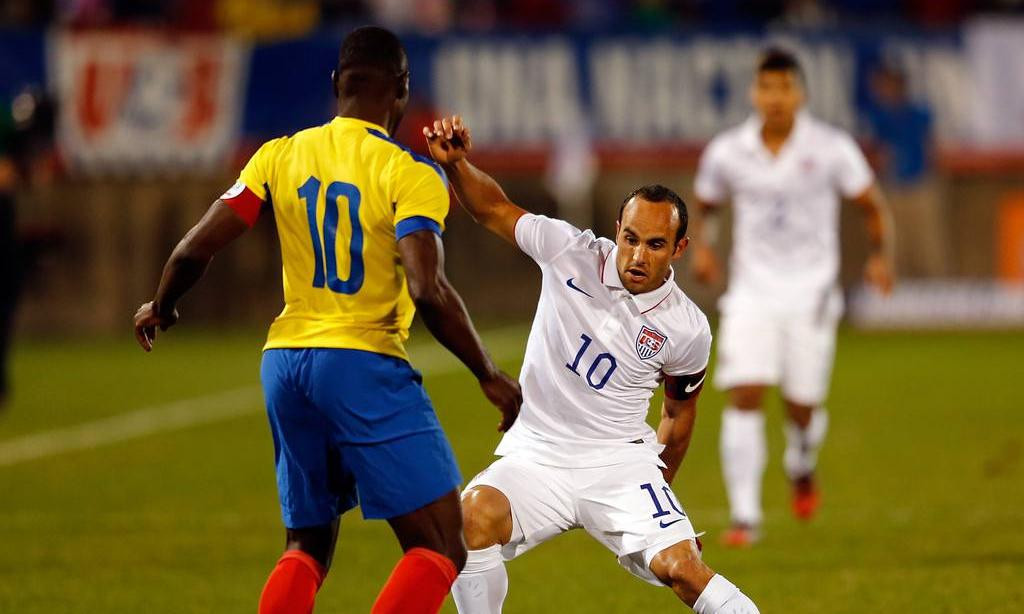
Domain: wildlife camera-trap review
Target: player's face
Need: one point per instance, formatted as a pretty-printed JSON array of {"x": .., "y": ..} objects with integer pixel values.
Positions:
[
  {"x": 646, "y": 239},
  {"x": 777, "y": 95}
]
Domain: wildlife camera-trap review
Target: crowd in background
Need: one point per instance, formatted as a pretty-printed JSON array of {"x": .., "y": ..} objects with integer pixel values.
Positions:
[{"x": 281, "y": 18}]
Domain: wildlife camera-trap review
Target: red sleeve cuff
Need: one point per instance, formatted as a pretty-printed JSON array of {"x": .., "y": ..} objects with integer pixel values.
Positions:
[{"x": 245, "y": 203}]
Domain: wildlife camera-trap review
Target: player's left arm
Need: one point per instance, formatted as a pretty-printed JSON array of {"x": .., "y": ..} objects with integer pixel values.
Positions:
[
  {"x": 878, "y": 270},
  {"x": 856, "y": 182},
  {"x": 221, "y": 225},
  {"x": 678, "y": 414}
]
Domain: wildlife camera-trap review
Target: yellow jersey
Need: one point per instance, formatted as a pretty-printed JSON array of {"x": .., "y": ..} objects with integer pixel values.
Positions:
[{"x": 342, "y": 195}]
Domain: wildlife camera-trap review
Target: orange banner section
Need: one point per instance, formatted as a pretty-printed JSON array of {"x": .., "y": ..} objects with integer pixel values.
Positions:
[{"x": 1011, "y": 238}]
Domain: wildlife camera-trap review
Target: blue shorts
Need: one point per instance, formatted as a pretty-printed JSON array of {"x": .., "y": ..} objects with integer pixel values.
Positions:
[{"x": 352, "y": 428}]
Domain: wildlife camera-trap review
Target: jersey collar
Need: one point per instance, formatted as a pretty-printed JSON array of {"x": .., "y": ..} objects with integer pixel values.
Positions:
[
  {"x": 751, "y": 131},
  {"x": 648, "y": 300},
  {"x": 358, "y": 123}
]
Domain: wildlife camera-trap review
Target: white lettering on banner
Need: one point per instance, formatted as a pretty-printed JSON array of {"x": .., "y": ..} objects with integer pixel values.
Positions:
[
  {"x": 662, "y": 90},
  {"x": 995, "y": 48},
  {"x": 146, "y": 101},
  {"x": 524, "y": 92},
  {"x": 640, "y": 91}
]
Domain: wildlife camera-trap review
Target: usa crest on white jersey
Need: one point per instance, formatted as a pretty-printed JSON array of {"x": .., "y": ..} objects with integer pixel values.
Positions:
[{"x": 649, "y": 342}]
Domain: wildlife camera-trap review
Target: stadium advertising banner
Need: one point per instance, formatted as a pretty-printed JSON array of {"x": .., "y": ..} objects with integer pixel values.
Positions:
[
  {"x": 631, "y": 89},
  {"x": 184, "y": 95},
  {"x": 140, "y": 101},
  {"x": 682, "y": 88}
]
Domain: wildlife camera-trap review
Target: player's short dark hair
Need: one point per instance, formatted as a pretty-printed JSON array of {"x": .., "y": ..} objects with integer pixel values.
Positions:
[
  {"x": 777, "y": 59},
  {"x": 373, "y": 47},
  {"x": 657, "y": 193}
]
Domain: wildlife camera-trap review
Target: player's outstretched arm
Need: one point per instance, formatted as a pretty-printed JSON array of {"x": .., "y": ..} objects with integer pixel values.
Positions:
[
  {"x": 678, "y": 413},
  {"x": 445, "y": 315},
  {"x": 450, "y": 142},
  {"x": 878, "y": 271},
  {"x": 220, "y": 226}
]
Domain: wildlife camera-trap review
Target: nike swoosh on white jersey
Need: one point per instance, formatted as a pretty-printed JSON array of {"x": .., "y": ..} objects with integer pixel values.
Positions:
[
  {"x": 569, "y": 283},
  {"x": 690, "y": 388}
]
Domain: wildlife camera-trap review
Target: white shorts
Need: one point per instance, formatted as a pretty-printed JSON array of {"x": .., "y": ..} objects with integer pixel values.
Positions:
[
  {"x": 792, "y": 351},
  {"x": 628, "y": 508}
]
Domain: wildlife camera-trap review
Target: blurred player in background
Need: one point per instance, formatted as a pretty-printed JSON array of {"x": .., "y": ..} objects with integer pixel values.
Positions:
[
  {"x": 26, "y": 142},
  {"x": 784, "y": 173},
  {"x": 359, "y": 218},
  {"x": 611, "y": 325}
]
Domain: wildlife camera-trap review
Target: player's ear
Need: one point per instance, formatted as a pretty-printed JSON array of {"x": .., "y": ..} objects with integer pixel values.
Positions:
[
  {"x": 403, "y": 86},
  {"x": 681, "y": 245},
  {"x": 334, "y": 82}
]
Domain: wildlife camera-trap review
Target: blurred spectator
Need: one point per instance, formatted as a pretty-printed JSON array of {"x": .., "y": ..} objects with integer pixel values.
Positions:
[
  {"x": 332, "y": 11},
  {"x": 268, "y": 19},
  {"x": 8, "y": 244},
  {"x": 428, "y": 16},
  {"x": 26, "y": 12},
  {"x": 903, "y": 128},
  {"x": 480, "y": 15},
  {"x": 650, "y": 14},
  {"x": 806, "y": 14},
  {"x": 541, "y": 14}
]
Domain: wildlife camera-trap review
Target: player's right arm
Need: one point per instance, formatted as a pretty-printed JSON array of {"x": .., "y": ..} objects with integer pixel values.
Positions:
[
  {"x": 188, "y": 262},
  {"x": 450, "y": 142},
  {"x": 227, "y": 218},
  {"x": 712, "y": 192}
]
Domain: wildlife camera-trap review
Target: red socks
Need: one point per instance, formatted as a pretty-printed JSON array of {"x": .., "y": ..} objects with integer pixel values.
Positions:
[
  {"x": 291, "y": 587},
  {"x": 418, "y": 584}
]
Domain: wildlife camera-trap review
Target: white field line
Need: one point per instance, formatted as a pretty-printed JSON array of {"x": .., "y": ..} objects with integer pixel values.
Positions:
[
  {"x": 217, "y": 407},
  {"x": 131, "y": 425}
]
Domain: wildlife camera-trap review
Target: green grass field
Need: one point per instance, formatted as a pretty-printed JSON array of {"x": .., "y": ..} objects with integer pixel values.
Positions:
[{"x": 923, "y": 481}]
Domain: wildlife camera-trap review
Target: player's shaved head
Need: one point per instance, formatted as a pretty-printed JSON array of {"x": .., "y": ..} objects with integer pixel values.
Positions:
[
  {"x": 372, "y": 62},
  {"x": 371, "y": 80},
  {"x": 373, "y": 47}
]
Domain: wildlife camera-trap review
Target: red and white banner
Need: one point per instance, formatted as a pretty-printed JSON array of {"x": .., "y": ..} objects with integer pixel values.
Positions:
[{"x": 136, "y": 101}]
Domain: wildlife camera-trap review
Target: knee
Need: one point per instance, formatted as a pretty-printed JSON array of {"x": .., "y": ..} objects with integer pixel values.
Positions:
[
  {"x": 746, "y": 397},
  {"x": 681, "y": 568},
  {"x": 486, "y": 518},
  {"x": 800, "y": 413}
]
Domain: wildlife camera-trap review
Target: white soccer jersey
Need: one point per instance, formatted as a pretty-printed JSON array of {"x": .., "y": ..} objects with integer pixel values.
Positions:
[
  {"x": 596, "y": 352},
  {"x": 785, "y": 253}
]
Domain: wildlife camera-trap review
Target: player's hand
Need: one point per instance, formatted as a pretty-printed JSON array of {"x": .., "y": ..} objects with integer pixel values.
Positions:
[
  {"x": 147, "y": 320},
  {"x": 448, "y": 139},
  {"x": 878, "y": 272},
  {"x": 504, "y": 393},
  {"x": 705, "y": 265}
]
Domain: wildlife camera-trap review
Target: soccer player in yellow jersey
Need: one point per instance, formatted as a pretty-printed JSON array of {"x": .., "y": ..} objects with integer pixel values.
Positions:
[{"x": 359, "y": 218}]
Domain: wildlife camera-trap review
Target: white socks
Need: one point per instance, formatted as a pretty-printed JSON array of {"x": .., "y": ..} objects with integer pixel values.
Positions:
[
  {"x": 722, "y": 597},
  {"x": 802, "y": 445},
  {"x": 483, "y": 583},
  {"x": 744, "y": 456}
]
